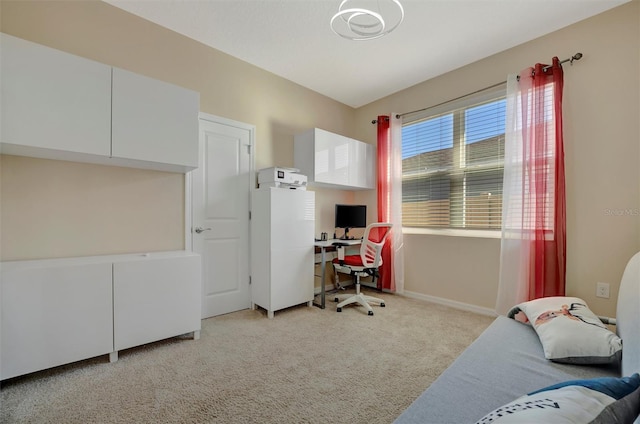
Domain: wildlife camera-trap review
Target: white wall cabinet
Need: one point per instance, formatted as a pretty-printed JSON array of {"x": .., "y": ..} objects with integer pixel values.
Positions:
[
  {"x": 53, "y": 101},
  {"x": 154, "y": 121},
  {"x": 282, "y": 251},
  {"x": 57, "y": 311},
  {"x": 335, "y": 161},
  {"x": 59, "y": 106}
]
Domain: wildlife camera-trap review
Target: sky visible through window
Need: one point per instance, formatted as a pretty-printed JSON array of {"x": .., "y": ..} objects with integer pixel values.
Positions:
[{"x": 481, "y": 122}]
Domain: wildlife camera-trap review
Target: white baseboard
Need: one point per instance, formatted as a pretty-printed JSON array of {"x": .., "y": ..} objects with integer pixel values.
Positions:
[{"x": 451, "y": 303}]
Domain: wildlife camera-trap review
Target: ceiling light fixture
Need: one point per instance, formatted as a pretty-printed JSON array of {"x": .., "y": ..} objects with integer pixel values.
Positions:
[{"x": 358, "y": 23}]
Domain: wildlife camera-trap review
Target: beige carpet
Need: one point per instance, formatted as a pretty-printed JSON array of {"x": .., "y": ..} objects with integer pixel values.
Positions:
[{"x": 307, "y": 365}]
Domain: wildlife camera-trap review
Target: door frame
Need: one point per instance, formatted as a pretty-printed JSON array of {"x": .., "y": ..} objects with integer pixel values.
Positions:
[{"x": 188, "y": 184}]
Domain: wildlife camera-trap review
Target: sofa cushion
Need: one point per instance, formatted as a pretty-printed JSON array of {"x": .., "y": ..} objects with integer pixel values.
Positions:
[
  {"x": 505, "y": 362},
  {"x": 569, "y": 331},
  {"x": 600, "y": 400}
]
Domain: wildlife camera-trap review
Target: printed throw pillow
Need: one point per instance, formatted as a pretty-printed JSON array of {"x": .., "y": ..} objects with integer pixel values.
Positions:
[
  {"x": 569, "y": 331},
  {"x": 603, "y": 400}
]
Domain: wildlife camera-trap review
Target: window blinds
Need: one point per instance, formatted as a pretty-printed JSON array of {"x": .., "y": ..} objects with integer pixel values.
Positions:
[{"x": 452, "y": 164}]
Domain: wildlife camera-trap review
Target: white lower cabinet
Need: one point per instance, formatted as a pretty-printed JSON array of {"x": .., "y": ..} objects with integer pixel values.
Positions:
[
  {"x": 58, "y": 311},
  {"x": 155, "y": 299},
  {"x": 54, "y": 314}
]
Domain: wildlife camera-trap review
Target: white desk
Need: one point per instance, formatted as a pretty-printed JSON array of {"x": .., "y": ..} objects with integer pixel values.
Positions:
[{"x": 323, "y": 245}]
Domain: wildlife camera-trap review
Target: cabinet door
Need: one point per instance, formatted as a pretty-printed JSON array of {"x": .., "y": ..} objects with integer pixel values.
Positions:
[
  {"x": 361, "y": 169},
  {"x": 54, "y": 315},
  {"x": 292, "y": 280},
  {"x": 331, "y": 158},
  {"x": 154, "y": 299},
  {"x": 52, "y": 100},
  {"x": 154, "y": 121},
  {"x": 292, "y": 214}
]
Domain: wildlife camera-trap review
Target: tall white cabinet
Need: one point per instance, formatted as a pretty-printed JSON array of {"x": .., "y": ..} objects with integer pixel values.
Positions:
[{"x": 282, "y": 249}]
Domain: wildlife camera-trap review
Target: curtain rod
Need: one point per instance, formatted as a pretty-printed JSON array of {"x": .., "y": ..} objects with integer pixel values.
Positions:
[{"x": 576, "y": 56}]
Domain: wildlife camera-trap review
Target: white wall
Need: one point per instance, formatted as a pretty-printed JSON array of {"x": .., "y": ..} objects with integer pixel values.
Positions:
[
  {"x": 602, "y": 148},
  {"x": 602, "y": 142},
  {"x": 43, "y": 211}
]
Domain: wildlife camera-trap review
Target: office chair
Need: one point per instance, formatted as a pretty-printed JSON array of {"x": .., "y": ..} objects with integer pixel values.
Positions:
[{"x": 362, "y": 265}]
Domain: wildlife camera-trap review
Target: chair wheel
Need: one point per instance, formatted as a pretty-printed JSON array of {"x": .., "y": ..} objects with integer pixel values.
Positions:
[
  {"x": 370, "y": 312},
  {"x": 339, "y": 309},
  {"x": 382, "y": 305},
  {"x": 336, "y": 300}
]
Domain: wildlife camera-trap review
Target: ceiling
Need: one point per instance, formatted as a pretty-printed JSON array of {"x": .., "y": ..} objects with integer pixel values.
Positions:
[{"x": 292, "y": 38}]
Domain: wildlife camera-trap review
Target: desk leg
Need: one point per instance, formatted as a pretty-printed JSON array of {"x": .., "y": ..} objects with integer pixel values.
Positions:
[
  {"x": 322, "y": 288},
  {"x": 323, "y": 260}
]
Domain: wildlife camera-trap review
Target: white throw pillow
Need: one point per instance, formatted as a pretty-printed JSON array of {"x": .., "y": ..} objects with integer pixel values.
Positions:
[
  {"x": 569, "y": 331},
  {"x": 603, "y": 400}
]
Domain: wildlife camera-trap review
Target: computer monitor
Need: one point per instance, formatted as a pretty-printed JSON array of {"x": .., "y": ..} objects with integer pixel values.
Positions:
[{"x": 351, "y": 216}]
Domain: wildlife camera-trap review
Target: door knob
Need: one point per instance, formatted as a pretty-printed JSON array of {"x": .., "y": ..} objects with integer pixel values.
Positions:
[{"x": 200, "y": 229}]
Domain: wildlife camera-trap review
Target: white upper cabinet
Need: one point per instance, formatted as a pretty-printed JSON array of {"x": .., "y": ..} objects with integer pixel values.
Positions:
[
  {"x": 154, "y": 121},
  {"x": 335, "y": 161},
  {"x": 59, "y": 106},
  {"x": 53, "y": 100}
]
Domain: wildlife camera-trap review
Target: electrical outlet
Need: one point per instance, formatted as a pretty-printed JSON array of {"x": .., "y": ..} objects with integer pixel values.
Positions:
[{"x": 602, "y": 290}]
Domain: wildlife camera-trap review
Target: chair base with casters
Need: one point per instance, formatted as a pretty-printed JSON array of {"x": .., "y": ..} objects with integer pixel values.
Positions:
[
  {"x": 362, "y": 299},
  {"x": 362, "y": 265}
]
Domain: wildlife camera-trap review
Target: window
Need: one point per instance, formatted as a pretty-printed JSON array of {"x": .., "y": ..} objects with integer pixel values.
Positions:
[{"x": 452, "y": 164}]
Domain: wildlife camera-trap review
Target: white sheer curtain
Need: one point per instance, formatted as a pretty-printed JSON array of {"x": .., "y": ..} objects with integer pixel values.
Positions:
[{"x": 514, "y": 249}]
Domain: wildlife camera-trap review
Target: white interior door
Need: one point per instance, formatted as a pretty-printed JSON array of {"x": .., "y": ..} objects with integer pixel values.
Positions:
[{"x": 220, "y": 198}]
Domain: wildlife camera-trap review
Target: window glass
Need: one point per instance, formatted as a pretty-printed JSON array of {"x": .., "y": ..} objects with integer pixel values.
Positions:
[{"x": 452, "y": 165}]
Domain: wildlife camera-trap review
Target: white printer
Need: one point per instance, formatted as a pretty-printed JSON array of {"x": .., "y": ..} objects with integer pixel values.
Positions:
[{"x": 282, "y": 178}]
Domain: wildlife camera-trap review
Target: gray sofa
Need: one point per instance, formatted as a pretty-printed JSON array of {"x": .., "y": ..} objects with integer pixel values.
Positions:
[{"x": 507, "y": 361}]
